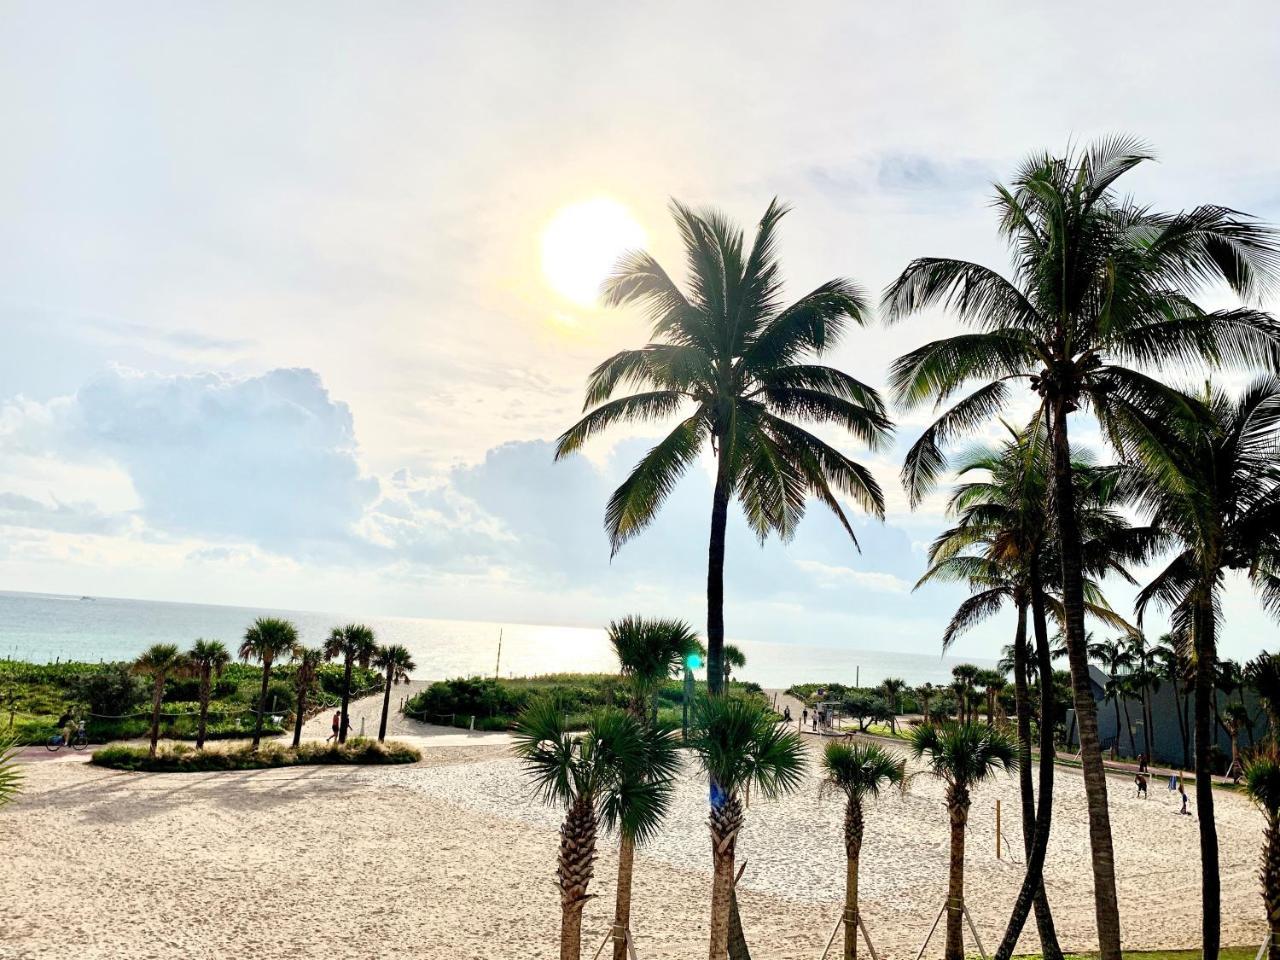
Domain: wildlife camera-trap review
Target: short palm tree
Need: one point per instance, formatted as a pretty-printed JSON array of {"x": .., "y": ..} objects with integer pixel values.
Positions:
[
  {"x": 925, "y": 694},
  {"x": 353, "y": 642},
  {"x": 10, "y": 773},
  {"x": 206, "y": 659},
  {"x": 266, "y": 640},
  {"x": 649, "y": 651},
  {"x": 1102, "y": 288},
  {"x": 966, "y": 675},
  {"x": 740, "y": 748},
  {"x": 1235, "y": 717},
  {"x": 963, "y": 755},
  {"x": 306, "y": 661},
  {"x": 1262, "y": 783},
  {"x": 736, "y": 365},
  {"x": 860, "y": 772},
  {"x": 396, "y": 664},
  {"x": 891, "y": 688},
  {"x": 734, "y": 659},
  {"x": 159, "y": 662},
  {"x": 589, "y": 776}
]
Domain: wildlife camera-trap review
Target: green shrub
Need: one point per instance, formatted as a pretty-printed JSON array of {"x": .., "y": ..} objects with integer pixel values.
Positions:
[{"x": 180, "y": 758}]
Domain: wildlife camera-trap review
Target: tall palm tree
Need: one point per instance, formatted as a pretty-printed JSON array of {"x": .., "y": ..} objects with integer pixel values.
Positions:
[
  {"x": 1101, "y": 286},
  {"x": 737, "y": 366},
  {"x": 1262, "y": 783},
  {"x": 740, "y": 748},
  {"x": 586, "y": 776},
  {"x": 353, "y": 642},
  {"x": 891, "y": 688},
  {"x": 1112, "y": 656},
  {"x": 159, "y": 662},
  {"x": 207, "y": 659},
  {"x": 963, "y": 755},
  {"x": 734, "y": 659},
  {"x": 1211, "y": 480},
  {"x": 266, "y": 640},
  {"x": 307, "y": 662},
  {"x": 396, "y": 664},
  {"x": 860, "y": 772},
  {"x": 1173, "y": 667},
  {"x": 1146, "y": 681},
  {"x": 649, "y": 652}
]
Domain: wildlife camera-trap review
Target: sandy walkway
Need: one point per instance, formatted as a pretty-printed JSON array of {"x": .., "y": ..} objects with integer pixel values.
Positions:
[{"x": 448, "y": 860}]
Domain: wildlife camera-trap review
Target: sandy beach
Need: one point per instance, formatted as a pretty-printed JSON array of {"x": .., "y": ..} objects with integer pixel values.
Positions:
[{"x": 449, "y": 859}]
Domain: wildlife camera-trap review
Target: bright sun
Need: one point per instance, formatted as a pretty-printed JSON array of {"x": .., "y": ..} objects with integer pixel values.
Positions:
[{"x": 582, "y": 243}]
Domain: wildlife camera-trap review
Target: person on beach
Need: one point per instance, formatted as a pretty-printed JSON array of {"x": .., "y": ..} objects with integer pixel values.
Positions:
[
  {"x": 1183, "y": 794},
  {"x": 786, "y": 714},
  {"x": 804, "y": 717},
  {"x": 1141, "y": 782},
  {"x": 1142, "y": 763},
  {"x": 337, "y": 725}
]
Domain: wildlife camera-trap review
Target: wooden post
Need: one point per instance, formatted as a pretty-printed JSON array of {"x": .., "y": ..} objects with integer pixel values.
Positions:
[{"x": 998, "y": 857}]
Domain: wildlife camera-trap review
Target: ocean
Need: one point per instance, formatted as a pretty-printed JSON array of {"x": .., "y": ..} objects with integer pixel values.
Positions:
[{"x": 46, "y": 627}]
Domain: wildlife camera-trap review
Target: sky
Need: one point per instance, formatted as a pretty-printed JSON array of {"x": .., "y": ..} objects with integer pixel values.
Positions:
[{"x": 279, "y": 327}]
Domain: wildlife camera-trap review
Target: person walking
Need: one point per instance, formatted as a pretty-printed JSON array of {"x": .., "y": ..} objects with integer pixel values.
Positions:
[
  {"x": 1141, "y": 781},
  {"x": 804, "y": 718},
  {"x": 1183, "y": 793},
  {"x": 337, "y": 726},
  {"x": 786, "y": 714}
]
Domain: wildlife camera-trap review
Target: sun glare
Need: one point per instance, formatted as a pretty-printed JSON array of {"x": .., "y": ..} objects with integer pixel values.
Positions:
[{"x": 582, "y": 243}]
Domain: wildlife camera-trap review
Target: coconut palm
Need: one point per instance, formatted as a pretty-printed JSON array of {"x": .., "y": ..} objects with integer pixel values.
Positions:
[
  {"x": 306, "y": 661},
  {"x": 734, "y": 659},
  {"x": 1235, "y": 718},
  {"x": 1262, "y": 783},
  {"x": 206, "y": 659},
  {"x": 1101, "y": 287},
  {"x": 159, "y": 662},
  {"x": 963, "y": 755},
  {"x": 266, "y": 640},
  {"x": 737, "y": 366},
  {"x": 1173, "y": 667},
  {"x": 649, "y": 652},
  {"x": 396, "y": 664},
  {"x": 10, "y": 773},
  {"x": 741, "y": 749},
  {"x": 1263, "y": 674},
  {"x": 353, "y": 642},
  {"x": 891, "y": 688},
  {"x": 1145, "y": 679},
  {"x": 860, "y": 772},
  {"x": 1211, "y": 481},
  {"x": 589, "y": 776},
  {"x": 1112, "y": 656}
]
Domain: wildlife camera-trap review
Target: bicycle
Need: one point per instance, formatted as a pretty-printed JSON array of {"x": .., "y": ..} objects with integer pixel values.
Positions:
[{"x": 79, "y": 740}]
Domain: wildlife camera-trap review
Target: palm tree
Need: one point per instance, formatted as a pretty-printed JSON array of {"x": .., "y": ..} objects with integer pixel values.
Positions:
[
  {"x": 1262, "y": 783},
  {"x": 1172, "y": 666},
  {"x": 1100, "y": 286},
  {"x": 1146, "y": 681},
  {"x": 1211, "y": 481},
  {"x": 925, "y": 693},
  {"x": 1112, "y": 656},
  {"x": 352, "y": 643},
  {"x": 859, "y": 771},
  {"x": 159, "y": 662},
  {"x": 1263, "y": 674},
  {"x": 734, "y": 659},
  {"x": 1235, "y": 717},
  {"x": 737, "y": 365},
  {"x": 266, "y": 640},
  {"x": 965, "y": 674},
  {"x": 891, "y": 688},
  {"x": 590, "y": 776},
  {"x": 989, "y": 681},
  {"x": 396, "y": 663},
  {"x": 307, "y": 662},
  {"x": 741, "y": 749},
  {"x": 963, "y": 755},
  {"x": 207, "y": 659},
  {"x": 649, "y": 652}
]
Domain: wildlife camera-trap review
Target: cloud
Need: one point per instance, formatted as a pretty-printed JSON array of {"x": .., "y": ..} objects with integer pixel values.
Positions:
[{"x": 17, "y": 510}]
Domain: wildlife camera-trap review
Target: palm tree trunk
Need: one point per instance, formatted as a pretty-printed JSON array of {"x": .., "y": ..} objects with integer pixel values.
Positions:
[
  {"x": 1037, "y": 842},
  {"x": 386, "y": 708},
  {"x": 622, "y": 907},
  {"x": 298, "y": 713},
  {"x": 1270, "y": 876},
  {"x": 853, "y": 830},
  {"x": 1184, "y": 723},
  {"x": 344, "y": 722},
  {"x": 262, "y": 703},
  {"x": 1115, "y": 744},
  {"x": 1146, "y": 721},
  {"x": 156, "y": 698},
  {"x": 1128, "y": 724},
  {"x": 1210, "y": 882},
  {"x": 715, "y": 575},
  {"x": 1106, "y": 905},
  {"x": 573, "y": 872},
  {"x": 202, "y": 724},
  {"x": 958, "y": 813},
  {"x": 725, "y": 824}
]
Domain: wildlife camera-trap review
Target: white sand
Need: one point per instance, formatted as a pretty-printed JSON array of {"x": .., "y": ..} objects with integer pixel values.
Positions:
[{"x": 448, "y": 859}]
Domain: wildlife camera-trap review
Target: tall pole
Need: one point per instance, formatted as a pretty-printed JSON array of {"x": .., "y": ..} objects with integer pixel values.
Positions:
[{"x": 498, "y": 663}]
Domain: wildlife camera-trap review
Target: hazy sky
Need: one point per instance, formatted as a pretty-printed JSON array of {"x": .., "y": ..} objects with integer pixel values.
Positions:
[{"x": 276, "y": 328}]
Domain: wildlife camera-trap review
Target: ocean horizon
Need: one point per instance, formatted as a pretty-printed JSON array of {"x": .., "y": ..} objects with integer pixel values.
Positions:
[{"x": 46, "y": 627}]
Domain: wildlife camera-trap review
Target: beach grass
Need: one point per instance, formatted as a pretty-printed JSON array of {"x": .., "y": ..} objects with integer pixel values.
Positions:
[{"x": 180, "y": 758}]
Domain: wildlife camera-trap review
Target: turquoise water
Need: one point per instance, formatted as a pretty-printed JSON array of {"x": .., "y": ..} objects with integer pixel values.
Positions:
[{"x": 45, "y": 627}]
